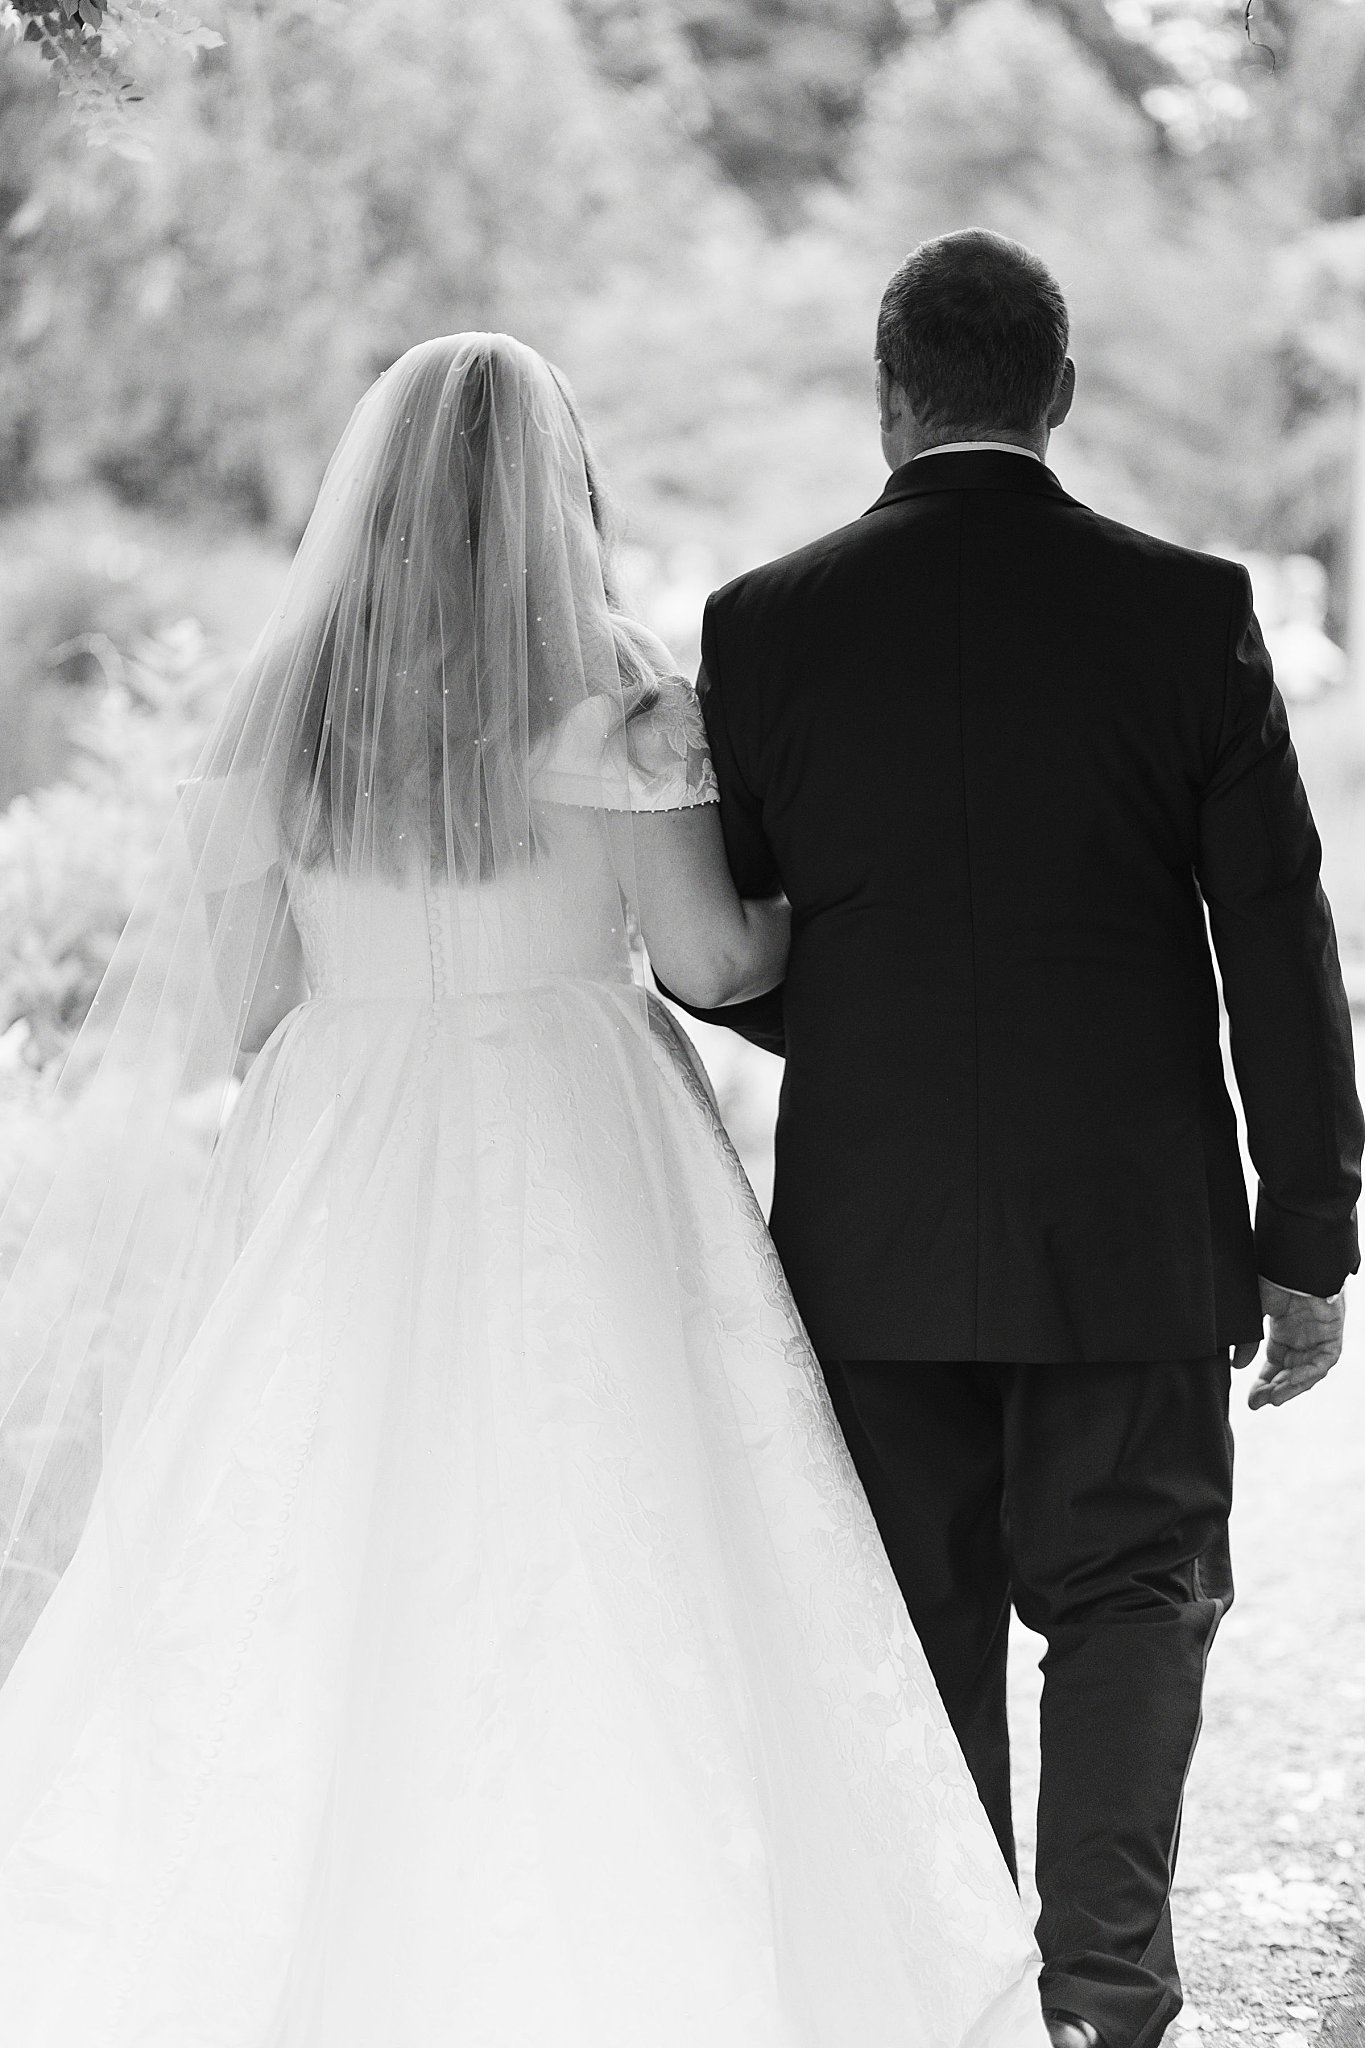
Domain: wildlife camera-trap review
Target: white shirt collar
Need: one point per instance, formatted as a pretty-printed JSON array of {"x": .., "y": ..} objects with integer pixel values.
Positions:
[{"x": 970, "y": 447}]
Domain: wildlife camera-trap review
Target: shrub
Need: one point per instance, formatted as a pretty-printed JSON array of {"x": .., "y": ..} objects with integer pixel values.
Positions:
[{"x": 72, "y": 857}]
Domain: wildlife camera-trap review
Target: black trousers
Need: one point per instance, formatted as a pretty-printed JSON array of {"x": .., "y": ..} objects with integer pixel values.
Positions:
[{"x": 1096, "y": 1499}]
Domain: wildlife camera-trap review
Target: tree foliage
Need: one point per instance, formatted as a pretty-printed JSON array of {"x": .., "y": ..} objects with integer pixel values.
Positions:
[
  {"x": 1006, "y": 121},
  {"x": 99, "y": 50},
  {"x": 778, "y": 88},
  {"x": 335, "y": 184},
  {"x": 694, "y": 207}
]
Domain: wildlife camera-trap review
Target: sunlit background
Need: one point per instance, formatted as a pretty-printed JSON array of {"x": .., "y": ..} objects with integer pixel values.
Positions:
[{"x": 692, "y": 206}]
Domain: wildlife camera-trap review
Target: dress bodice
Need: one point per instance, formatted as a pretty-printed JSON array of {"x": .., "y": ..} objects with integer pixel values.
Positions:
[
  {"x": 428, "y": 937},
  {"x": 424, "y": 938}
]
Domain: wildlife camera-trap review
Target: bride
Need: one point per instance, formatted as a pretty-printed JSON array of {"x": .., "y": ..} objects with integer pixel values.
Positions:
[{"x": 439, "y": 1607}]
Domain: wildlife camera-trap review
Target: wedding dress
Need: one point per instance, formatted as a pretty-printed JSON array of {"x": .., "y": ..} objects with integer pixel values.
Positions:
[{"x": 477, "y": 1636}]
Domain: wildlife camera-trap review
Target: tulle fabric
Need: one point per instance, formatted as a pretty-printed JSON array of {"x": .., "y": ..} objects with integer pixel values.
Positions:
[{"x": 439, "y": 1606}]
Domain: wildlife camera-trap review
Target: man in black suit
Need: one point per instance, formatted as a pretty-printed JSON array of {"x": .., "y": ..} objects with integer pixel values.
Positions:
[{"x": 1003, "y": 755}]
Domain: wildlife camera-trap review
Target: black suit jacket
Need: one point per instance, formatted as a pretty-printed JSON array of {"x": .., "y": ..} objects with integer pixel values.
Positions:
[{"x": 1001, "y": 754}]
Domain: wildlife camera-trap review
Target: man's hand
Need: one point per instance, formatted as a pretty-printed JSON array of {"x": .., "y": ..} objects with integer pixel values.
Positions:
[{"x": 1302, "y": 1344}]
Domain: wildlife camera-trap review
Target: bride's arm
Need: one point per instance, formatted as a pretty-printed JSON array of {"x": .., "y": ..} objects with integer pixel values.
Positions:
[
  {"x": 280, "y": 984},
  {"x": 709, "y": 944},
  {"x": 232, "y": 844}
]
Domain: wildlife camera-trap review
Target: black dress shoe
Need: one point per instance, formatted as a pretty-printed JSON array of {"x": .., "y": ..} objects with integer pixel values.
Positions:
[{"x": 1068, "y": 2030}]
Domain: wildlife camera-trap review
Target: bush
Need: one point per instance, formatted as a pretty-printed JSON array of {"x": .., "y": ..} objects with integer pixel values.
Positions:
[{"x": 72, "y": 857}]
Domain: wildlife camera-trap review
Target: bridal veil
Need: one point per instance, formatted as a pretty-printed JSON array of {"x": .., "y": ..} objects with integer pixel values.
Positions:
[{"x": 444, "y": 614}]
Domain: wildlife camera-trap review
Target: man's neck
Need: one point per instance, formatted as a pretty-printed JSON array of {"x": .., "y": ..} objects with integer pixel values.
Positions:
[
  {"x": 909, "y": 446},
  {"x": 966, "y": 448}
]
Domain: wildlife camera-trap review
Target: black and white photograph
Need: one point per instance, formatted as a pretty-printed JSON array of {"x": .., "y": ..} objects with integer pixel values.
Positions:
[{"x": 682, "y": 945}]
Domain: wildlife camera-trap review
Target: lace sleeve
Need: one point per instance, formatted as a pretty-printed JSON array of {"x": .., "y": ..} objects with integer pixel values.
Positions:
[
  {"x": 659, "y": 761},
  {"x": 669, "y": 760}
]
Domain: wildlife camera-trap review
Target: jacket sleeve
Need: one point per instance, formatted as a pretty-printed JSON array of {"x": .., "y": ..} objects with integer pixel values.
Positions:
[
  {"x": 1258, "y": 864},
  {"x": 746, "y": 847}
]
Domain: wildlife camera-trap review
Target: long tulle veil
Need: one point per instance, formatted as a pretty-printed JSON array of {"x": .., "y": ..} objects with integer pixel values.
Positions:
[{"x": 445, "y": 613}]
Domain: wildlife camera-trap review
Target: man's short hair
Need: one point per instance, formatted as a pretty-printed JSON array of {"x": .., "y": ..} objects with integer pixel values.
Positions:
[{"x": 973, "y": 327}]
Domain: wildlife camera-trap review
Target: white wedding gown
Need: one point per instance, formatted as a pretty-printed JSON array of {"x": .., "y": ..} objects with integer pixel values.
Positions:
[{"x": 494, "y": 1648}]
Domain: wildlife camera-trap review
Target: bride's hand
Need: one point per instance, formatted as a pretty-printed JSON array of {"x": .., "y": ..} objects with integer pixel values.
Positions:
[{"x": 1303, "y": 1343}]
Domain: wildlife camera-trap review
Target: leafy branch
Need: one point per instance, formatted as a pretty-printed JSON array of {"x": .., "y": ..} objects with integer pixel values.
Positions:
[{"x": 92, "y": 47}]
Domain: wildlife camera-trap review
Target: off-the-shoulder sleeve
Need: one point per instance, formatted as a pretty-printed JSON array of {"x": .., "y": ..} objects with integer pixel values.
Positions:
[
  {"x": 658, "y": 761},
  {"x": 231, "y": 828}
]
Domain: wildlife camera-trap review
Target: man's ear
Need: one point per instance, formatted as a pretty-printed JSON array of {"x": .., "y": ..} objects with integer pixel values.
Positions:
[
  {"x": 890, "y": 398},
  {"x": 1066, "y": 391}
]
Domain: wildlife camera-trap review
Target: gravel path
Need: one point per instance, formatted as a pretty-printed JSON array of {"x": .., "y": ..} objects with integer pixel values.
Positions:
[{"x": 1270, "y": 1892}]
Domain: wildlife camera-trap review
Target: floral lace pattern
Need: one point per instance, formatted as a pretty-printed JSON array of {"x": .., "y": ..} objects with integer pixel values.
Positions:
[{"x": 659, "y": 761}]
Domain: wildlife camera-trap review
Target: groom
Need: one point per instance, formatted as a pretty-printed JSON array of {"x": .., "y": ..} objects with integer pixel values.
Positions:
[{"x": 1004, "y": 756}]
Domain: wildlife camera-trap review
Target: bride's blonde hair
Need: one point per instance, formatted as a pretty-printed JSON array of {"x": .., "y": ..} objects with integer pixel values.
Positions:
[
  {"x": 477, "y": 569},
  {"x": 639, "y": 678}
]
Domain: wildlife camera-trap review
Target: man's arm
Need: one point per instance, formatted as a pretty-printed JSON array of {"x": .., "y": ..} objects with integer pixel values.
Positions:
[
  {"x": 746, "y": 849},
  {"x": 1258, "y": 866}
]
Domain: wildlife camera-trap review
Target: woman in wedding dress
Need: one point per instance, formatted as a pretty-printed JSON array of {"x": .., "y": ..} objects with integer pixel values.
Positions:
[{"x": 439, "y": 1609}]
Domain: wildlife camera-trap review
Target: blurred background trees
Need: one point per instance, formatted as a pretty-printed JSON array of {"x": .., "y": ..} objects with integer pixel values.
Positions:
[
  {"x": 725, "y": 182},
  {"x": 692, "y": 205}
]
